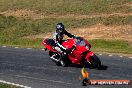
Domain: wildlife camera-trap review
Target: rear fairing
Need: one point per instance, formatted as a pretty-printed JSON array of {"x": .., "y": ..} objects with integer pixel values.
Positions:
[{"x": 48, "y": 45}]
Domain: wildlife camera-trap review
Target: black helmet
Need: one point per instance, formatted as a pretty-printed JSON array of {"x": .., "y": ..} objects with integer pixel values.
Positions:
[{"x": 60, "y": 28}]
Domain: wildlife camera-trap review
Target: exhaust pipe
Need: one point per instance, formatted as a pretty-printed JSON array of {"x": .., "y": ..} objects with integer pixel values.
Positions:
[{"x": 52, "y": 57}]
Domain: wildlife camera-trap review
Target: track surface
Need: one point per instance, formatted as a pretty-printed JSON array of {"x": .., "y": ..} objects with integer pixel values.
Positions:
[{"x": 33, "y": 68}]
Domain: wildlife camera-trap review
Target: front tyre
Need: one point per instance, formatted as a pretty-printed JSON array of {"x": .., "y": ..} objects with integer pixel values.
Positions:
[
  {"x": 63, "y": 63},
  {"x": 95, "y": 62}
]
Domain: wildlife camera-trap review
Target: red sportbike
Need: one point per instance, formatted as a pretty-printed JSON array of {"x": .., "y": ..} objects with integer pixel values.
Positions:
[{"x": 80, "y": 55}]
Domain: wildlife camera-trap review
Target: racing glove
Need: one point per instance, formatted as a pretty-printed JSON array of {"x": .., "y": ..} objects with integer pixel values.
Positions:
[
  {"x": 71, "y": 49},
  {"x": 68, "y": 50}
]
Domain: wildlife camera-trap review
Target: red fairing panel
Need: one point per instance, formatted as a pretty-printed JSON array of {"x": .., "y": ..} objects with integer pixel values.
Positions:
[
  {"x": 76, "y": 59},
  {"x": 76, "y": 56},
  {"x": 68, "y": 44},
  {"x": 90, "y": 53},
  {"x": 48, "y": 46}
]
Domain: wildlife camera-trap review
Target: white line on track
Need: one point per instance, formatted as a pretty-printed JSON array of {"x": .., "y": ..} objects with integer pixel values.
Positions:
[
  {"x": 100, "y": 54},
  {"x": 110, "y": 55},
  {"x": 16, "y": 47},
  {"x": 42, "y": 49},
  {"x": 18, "y": 85},
  {"x": 130, "y": 57},
  {"x": 29, "y": 48},
  {"x": 121, "y": 56},
  {"x": 3, "y": 46}
]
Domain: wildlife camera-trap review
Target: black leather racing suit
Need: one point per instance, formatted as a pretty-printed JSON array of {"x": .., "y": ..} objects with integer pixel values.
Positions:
[{"x": 58, "y": 37}]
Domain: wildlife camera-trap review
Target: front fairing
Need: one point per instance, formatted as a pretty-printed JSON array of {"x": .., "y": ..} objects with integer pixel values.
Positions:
[
  {"x": 77, "y": 54},
  {"x": 81, "y": 46},
  {"x": 68, "y": 43}
]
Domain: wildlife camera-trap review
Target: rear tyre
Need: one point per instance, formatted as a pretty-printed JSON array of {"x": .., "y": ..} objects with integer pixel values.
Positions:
[
  {"x": 95, "y": 62},
  {"x": 58, "y": 64}
]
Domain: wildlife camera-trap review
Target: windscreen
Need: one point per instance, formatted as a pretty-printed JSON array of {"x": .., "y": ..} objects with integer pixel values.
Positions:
[{"x": 80, "y": 42}]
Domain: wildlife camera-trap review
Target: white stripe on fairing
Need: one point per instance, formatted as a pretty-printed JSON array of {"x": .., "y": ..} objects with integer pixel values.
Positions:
[
  {"x": 16, "y": 47},
  {"x": 18, "y": 85}
]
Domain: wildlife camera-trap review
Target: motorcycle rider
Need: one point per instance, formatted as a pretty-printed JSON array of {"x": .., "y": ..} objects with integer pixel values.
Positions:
[{"x": 56, "y": 43}]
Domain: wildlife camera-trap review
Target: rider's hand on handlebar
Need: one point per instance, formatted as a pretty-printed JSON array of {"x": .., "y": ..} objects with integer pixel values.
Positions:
[{"x": 71, "y": 49}]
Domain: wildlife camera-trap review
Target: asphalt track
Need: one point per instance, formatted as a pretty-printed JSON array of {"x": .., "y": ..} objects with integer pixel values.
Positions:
[{"x": 33, "y": 68}]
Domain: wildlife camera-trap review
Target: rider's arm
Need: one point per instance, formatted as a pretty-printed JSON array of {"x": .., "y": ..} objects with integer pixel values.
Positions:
[
  {"x": 55, "y": 37},
  {"x": 61, "y": 46},
  {"x": 69, "y": 34}
]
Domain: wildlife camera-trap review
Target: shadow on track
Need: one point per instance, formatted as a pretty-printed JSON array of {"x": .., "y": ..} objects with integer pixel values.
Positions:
[{"x": 102, "y": 67}]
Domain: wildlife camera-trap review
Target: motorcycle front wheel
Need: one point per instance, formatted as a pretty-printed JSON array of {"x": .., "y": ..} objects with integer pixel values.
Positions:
[
  {"x": 64, "y": 64},
  {"x": 95, "y": 62}
]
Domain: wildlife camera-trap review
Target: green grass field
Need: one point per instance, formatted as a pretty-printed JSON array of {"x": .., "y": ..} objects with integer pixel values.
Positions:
[
  {"x": 7, "y": 86},
  {"x": 68, "y": 6},
  {"x": 111, "y": 46},
  {"x": 13, "y": 29}
]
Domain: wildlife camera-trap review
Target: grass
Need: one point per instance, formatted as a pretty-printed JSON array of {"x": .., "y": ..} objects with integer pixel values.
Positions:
[
  {"x": 7, "y": 86},
  {"x": 111, "y": 46},
  {"x": 12, "y": 31},
  {"x": 34, "y": 43},
  {"x": 67, "y": 6},
  {"x": 98, "y": 45},
  {"x": 11, "y": 27}
]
